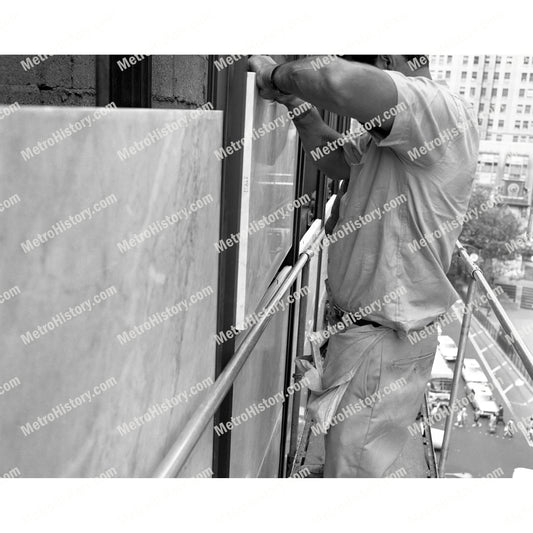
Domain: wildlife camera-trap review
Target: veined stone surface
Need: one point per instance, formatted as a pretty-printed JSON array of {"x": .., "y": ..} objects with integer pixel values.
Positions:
[{"x": 80, "y": 360}]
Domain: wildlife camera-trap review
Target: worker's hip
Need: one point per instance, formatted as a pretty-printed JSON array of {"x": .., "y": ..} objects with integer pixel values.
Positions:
[
  {"x": 379, "y": 403},
  {"x": 379, "y": 354}
]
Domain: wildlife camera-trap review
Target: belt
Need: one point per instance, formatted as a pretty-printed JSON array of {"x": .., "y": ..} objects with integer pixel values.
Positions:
[{"x": 340, "y": 314}]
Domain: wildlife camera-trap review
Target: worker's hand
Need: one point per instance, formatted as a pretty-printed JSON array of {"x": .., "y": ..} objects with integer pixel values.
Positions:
[
  {"x": 289, "y": 100},
  {"x": 263, "y": 67}
]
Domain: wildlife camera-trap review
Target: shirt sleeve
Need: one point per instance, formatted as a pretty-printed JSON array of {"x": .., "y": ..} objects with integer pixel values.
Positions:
[
  {"x": 355, "y": 147},
  {"x": 428, "y": 117}
]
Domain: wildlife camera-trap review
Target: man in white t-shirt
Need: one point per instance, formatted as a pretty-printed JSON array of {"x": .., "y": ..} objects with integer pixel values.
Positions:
[{"x": 408, "y": 172}]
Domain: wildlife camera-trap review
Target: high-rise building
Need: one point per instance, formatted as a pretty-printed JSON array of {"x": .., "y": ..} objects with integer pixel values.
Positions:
[
  {"x": 500, "y": 87},
  {"x": 501, "y": 90},
  {"x": 508, "y": 168}
]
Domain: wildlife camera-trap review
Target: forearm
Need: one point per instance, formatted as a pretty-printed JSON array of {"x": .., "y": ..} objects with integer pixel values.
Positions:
[
  {"x": 310, "y": 79},
  {"x": 315, "y": 135},
  {"x": 348, "y": 88}
]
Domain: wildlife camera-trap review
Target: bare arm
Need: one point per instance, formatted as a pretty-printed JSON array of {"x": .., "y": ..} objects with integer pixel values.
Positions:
[
  {"x": 315, "y": 133},
  {"x": 345, "y": 87}
]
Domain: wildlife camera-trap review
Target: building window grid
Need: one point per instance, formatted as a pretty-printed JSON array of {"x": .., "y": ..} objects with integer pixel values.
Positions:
[
  {"x": 504, "y": 92},
  {"x": 516, "y": 167},
  {"x": 487, "y": 167}
]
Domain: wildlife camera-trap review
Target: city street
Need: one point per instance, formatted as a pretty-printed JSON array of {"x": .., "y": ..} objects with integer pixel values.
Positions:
[{"x": 473, "y": 450}]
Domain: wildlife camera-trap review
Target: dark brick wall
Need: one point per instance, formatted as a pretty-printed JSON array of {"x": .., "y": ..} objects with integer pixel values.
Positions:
[
  {"x": 178, "y": 81},
  {"x": 58, "y": 80}
]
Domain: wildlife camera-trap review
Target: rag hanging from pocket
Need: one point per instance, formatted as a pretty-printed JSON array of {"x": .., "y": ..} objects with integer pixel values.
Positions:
[{"x": 346, "y": 354}]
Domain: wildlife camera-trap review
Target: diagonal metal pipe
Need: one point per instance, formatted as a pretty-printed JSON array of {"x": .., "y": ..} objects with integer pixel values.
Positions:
[
  {"x": 191, "y": 433},
  {"x": 463, "y": 339},
  {"x": 513, "y": 335}
]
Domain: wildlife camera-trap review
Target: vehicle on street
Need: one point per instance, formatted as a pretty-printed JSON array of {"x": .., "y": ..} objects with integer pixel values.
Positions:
[
  {"x": 460, "y": 475},
  {"x": 437, "y": 436},
  {"x": 440, "y": 383},
  {"x": 481, "y": 398},
  {"x": 472, "y": 373},
  {"x": 447, "y": 348}
]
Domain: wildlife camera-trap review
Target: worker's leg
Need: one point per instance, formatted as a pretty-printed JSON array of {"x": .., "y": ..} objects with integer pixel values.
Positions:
[{"x": 388, "y": 388}]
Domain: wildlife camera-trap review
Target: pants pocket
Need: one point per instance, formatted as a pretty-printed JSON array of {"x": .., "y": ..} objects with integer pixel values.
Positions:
[
  {"x": 416, "y": 370},
  {"x": 368, "y": 376},
  {"x": 411, "y": 375},
  {"x": 419, "y": 360}
]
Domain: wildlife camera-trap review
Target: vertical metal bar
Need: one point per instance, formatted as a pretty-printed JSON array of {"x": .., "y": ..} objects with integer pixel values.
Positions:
[
  {"x": 296, "y": 399},
  {"x": 292, "y": 259},
  {"x": 321, "y": 192},
  {"x": 227, "y": 92},
  {"x": 463, "y": 339},
  {"x": 103, "y": 84},
  {"x": 430, "y": 451},
  {"x": 146, "y": 86}
]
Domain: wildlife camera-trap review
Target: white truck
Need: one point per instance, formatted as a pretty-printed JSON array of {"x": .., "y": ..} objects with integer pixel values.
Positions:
[{"x": 440, "y": 383}]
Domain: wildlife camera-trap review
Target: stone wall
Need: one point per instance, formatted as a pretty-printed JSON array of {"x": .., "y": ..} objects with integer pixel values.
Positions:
[
  {"x": 178, "y": 81},
  {"x": 48, "y": 80}
]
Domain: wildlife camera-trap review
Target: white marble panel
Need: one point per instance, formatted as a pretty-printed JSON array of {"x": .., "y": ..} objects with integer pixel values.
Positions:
[{"x": 169, "y": 265}]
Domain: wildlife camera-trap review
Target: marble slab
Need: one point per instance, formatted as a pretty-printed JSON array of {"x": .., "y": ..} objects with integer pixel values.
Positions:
[
  {"x": 167, "y": 172},
  {"x": 268, "y": 185}
]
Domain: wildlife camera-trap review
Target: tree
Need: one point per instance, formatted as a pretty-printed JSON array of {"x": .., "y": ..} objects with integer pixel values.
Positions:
[{"x": 490, "y": 229}]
